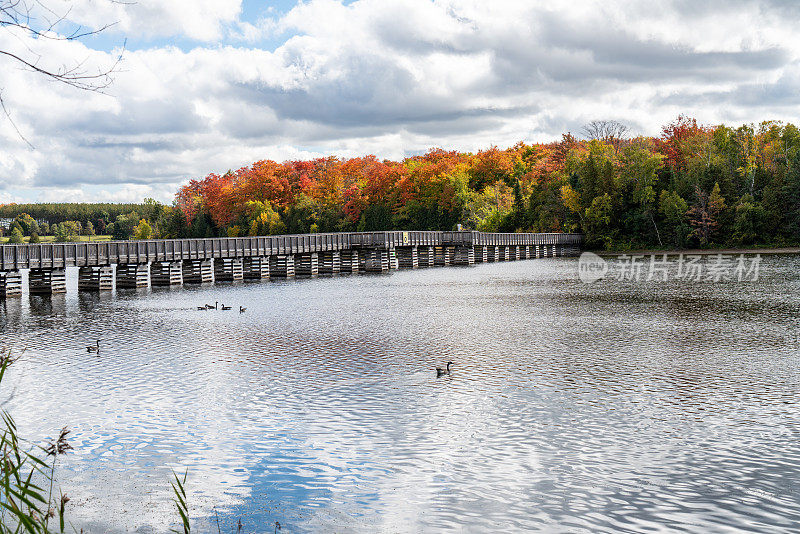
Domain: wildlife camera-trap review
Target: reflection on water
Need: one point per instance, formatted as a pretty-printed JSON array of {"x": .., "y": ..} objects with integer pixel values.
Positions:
[{"x": 611, "y": 407}]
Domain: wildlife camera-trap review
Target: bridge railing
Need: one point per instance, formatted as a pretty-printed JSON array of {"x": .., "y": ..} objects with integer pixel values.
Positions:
[{"x": 57, "y": 255}]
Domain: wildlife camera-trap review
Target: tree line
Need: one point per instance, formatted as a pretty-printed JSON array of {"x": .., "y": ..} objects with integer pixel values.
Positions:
[{"x": 692, "y": 186}]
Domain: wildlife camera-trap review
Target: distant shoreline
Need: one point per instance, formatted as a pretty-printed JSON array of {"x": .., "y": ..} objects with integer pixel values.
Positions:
[{"x": 702, "y": 251}]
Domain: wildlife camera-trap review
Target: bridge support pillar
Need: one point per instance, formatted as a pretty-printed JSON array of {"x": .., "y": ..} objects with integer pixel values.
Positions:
[
  {"x": 440, "y": 256},
  {"x": 228, "y": 269},
  {"x": 511, "y": 253},
  {"x": 166, "y": 273},
  {"x": 373, "y": 260},
  {"x": 132, "y": 275},
  {"x": 425, "y": 256},
  {"x": 463, "y": 256},
  {"x": 348, "y": 261},
  {"x": 393, "y": 263},
  {"x": 281, "y": 266},
  {"x": 255, "y": 268},
  {"x": 481, "y": 253},
  {"x": 407, "y": 257},
  {"x": 10, "y": 284},
  {"x": 96, "y": 278},
  {"x": 329, "y": 262},
  {"x": 197, "y": 271},
  {"x": 47, "y": 281},
  {"x": 306, "y": 265}
]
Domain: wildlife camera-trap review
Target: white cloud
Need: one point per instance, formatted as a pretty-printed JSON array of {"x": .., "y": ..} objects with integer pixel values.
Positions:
[
  {"x": 384, "y": 77},
  {"x": 202, "y": 20}
]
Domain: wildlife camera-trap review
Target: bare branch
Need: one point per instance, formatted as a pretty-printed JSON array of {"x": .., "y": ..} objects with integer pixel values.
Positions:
[
  {"x": 14, "y": 124},
  {"x": 36, "y": 19},
  {"x": 605, "y": 130}
]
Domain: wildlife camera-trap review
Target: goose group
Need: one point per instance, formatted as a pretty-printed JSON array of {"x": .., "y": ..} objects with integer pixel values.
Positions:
[{"x": 218, "y": 306}]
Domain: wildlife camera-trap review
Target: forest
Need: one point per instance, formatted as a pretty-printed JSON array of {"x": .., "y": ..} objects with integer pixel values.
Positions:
[{"x": 692, "y": 186}]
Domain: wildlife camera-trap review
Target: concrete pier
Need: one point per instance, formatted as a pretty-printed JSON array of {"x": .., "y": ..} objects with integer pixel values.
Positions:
[
  {"x": 47, "y": 281},
  {"x": 198, "y": 272},
  {"x": 96, "y": 278}
]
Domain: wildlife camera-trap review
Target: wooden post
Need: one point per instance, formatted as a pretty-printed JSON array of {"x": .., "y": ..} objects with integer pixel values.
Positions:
[
  {"x": 407, "y": 257},
  {"x": 328, "y": 262},
  {"x": 132, "y": 275},
  {"x": 306, "y": 265},
  {"x": 463, "y": 256},
  {"x": 281, "y": 266},
  {"x": 96, "y": 278},
  {"x": 424, "y": 256},
  {"x": 348, "y": 261},
  {"x": 166, "y": 273},
  {"x": 373, "y": 260},
  {"x": 228, "y": 269},
  {"x": 47, "y": 281},
  {"x": 197, "y": 271},
  {"x": 440, "y": 256},
  {"x": 10, "y": 284}
]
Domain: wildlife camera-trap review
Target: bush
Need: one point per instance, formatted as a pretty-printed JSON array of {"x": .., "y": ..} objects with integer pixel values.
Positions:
[
  {"x": 124, "y": 226},
  {"x": 60, "y": 234},
  {"x": 16, "y": 235},
  {"x": 34, "y": 238}
]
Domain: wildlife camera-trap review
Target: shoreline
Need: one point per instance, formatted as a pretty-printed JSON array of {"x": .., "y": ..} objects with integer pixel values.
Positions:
[{"x": 699, "y": 251}]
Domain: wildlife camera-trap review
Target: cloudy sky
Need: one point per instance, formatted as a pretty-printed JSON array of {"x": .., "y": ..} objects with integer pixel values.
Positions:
[{"x": 211, "y": 85}]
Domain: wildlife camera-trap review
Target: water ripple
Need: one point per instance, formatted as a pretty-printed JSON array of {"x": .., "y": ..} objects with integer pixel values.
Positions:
[{"x": 613, "y": 407}]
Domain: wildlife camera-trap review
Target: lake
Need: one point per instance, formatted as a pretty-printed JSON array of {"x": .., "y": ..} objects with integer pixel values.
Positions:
[{"x": 616, "y": 406}]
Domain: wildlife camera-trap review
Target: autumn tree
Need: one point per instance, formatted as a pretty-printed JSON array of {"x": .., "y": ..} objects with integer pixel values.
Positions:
[
  {"x": 143, "y": 230},
  {"x": 704, "y": 214}
]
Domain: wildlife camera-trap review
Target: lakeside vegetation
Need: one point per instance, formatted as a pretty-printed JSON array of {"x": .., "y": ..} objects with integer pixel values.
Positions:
[{"x": 693, "y": 186}]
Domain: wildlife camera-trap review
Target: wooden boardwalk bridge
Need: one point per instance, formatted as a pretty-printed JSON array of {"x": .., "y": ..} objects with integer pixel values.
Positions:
[{"x": 166, "y": 262}]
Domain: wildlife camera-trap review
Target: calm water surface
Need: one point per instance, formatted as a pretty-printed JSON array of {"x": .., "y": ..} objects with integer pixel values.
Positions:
[{"x": 614, "y": 407}]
